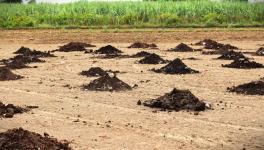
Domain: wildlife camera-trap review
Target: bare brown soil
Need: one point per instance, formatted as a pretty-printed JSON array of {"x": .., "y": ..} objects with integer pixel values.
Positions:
[{"x": 113, "y": 120}]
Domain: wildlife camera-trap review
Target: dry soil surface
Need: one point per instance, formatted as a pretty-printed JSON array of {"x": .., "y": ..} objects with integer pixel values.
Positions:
[{"x": 105, "y": 120}]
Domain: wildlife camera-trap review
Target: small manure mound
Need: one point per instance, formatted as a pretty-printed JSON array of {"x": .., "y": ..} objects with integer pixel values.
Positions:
[
  {"x": 211, "y": 44},
  {"x": 107, "y": 83},
  {"x": 252, "y": 88},
  {"x": 20, "y": 61},
  {"x": 177, "y": 100},
  {"x": 175, "y": 67},
  {"x": 214, "y": 52},
  {"x": 74, "y": 46},
  {"x": 243, "y": 63},
  {"x": 141, "y": 54},
  {"x": 20, "y": 139},
  {"x": 33, "y": 53},
  {"x": 182, "y": 48},
  {"x": 9, "y": 110},
  {"x": 6, "y": 74},
  {"x": 142, "y": 45},
  {"x": 94, "y": 72},
  {"x": 232, "y": 55},
  {"x": 152, "y": 59},
  {"x": 260, "y": 51},
  {"x": 108, "y": 50}
]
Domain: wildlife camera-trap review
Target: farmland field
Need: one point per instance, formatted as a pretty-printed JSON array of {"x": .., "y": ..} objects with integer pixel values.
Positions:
[
  {"x": 113, "y": 120},
  {"x": 164, "y": 14}
]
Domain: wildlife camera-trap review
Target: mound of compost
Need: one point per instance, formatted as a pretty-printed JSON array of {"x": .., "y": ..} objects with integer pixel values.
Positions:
[
  {"x": 107, "y": 83},
  {"x": 243, "y": 63},
  {"x": 141, "y": 54},
  {"x": 177, "y": 100},
  {"x": 20, "y": 61},
  {"x": 232, "y": 55},
  {"x": 211, "y": 44},
  {"x": 20, "y": 139},
  {"x": 94, "y": 72},
  {"x": 142, "y": 45},
  {"x": 175, "y": 67},
  {"x": 182, "y": 48},
  {"x": 260, "y": 51},
  {"x": 8, "y": 111},
  {"x": 252, "y": 88},
  {"x": 74, "y": 46},
  {"x": 33, "y": 53},
  {"x": 152, "y": 59},
  {"x": 214, "y": 52},
  {"x": 6, "y": 74},
  {"x": 15, "y": 64},
  {"x": 108, "y": 50}
]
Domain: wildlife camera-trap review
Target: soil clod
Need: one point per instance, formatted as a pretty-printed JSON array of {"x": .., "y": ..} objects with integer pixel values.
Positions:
[
  {"x": 142, "y": 45},
  {"x": 141, "y": 54},
  {"x": 6, "y": 74},
  {"x": 21, "y": 139},
  {"x": 182, "y": 48},
  {"x": 152, "y": 59},
  {"x": 9, "y": 110},
  {"x": 252, "y": 88},
  {"x": 232, "y": 55},
  {"x": 93, "y": 72},
  {"x": 177, "y": 100},
  {"x": 211, "y": 44},
  {"x": 108, "y": 50},
  {"x": 260, "y": 51},
  {"x": 107, "y": 83},
  {"x": 175, "y": 67},
  {"x": 244, "y": 63}
]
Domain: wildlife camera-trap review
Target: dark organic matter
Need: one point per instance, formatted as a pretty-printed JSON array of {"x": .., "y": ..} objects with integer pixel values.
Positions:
[
  {"x": 175, "y": 67},
  {"x": 141, "y": 54},
  {"x": 232, "y": 55},
  {"x": 244, "y": 63},
  {"x": 183, "y": 48},
  {"x": 152, "y": 59},
  {"x": 93, "y": 72},
  {"x": 260, "y": 51},
  {"x": 211, "y": 44},
  {"x": 252, "y": 88},
  {"x": 107, "y": 83},
  {"x": 176, "y": 100},
  {"x": 142, "y": 45},
  {"x": 20, "y": 139},
  {"x": 7, "y": 74},
  {"x": 108, "y": 50}
]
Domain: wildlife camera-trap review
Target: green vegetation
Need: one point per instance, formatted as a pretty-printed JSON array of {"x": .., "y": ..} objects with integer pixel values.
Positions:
[{"x": 133, "y": 14}]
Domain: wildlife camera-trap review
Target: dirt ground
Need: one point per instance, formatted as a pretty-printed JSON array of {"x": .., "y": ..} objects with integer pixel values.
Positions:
[{"x": 105, "y": 120}]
